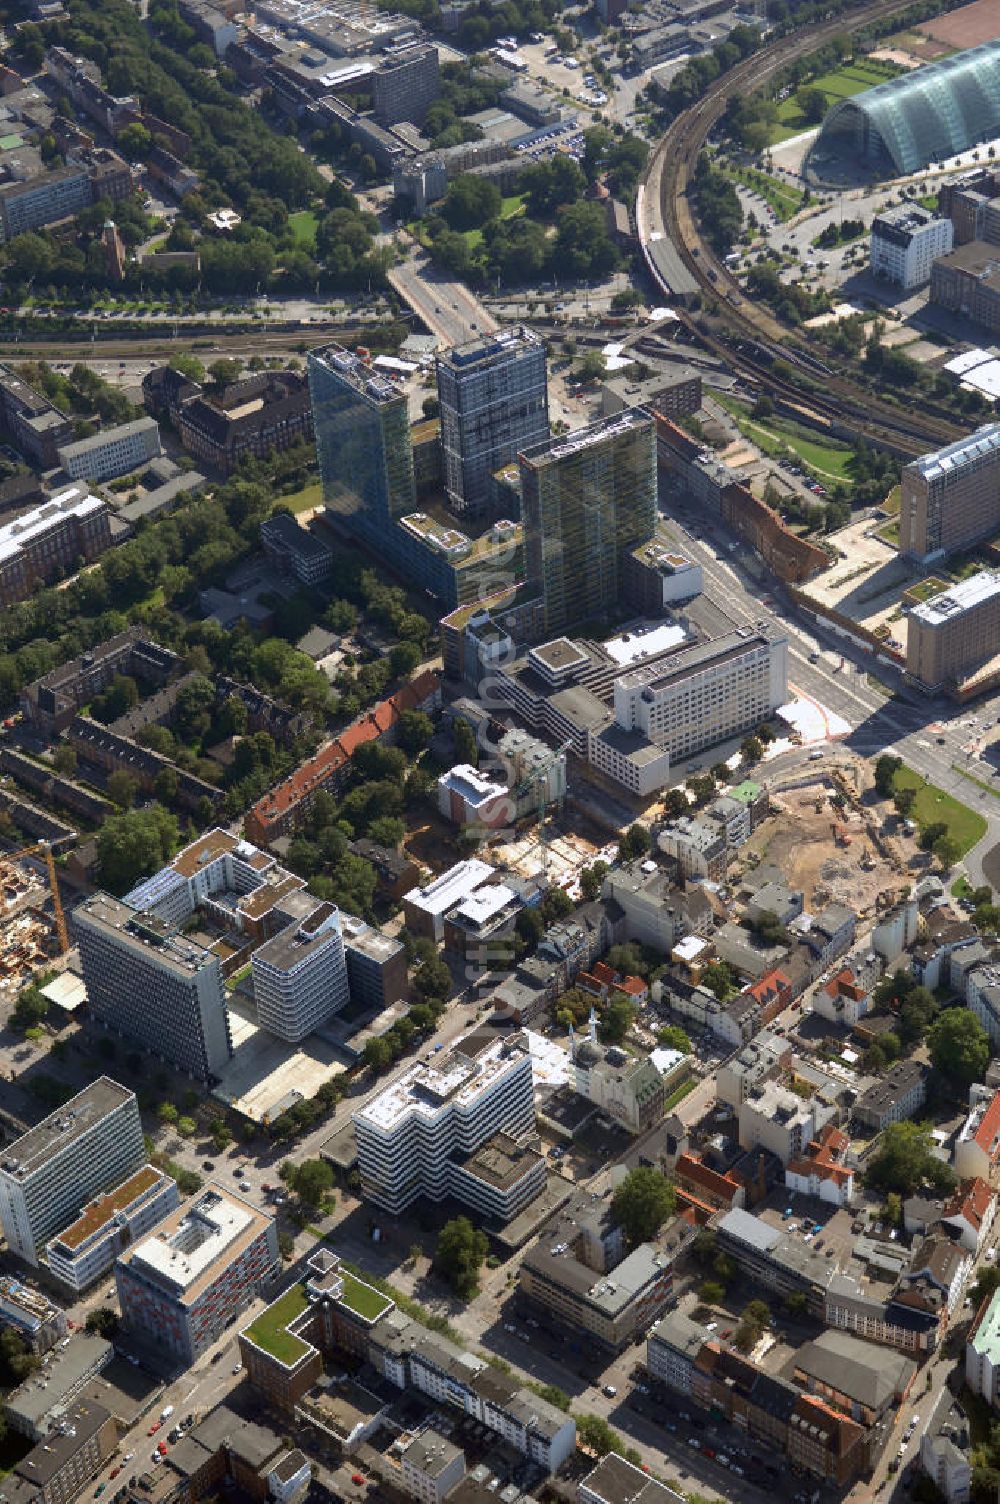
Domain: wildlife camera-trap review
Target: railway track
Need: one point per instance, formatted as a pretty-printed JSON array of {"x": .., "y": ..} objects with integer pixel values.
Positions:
[{"x": 682, "y": 263}]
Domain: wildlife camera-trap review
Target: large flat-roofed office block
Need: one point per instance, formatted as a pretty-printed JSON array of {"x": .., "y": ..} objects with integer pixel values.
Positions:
[
  {"x": 85, "y": 1250},
  {"x": 49, "y": 542},
  {"x": 951, "y": 498},
  {"x": 905, "y": 242},
  {"x": 151, "y": 983},
  {"x": 413, "y": 1135},
  {"x": 300, "y": 975},
  {"x": 954, "y": 635},
  {"x": 588, "y": 499},
  {"x": 184, "y": 1284},
  {"x": 405, "y": 84},
  {"x": 494, "y": 403},
  {"x": 84, "y": 1148}
]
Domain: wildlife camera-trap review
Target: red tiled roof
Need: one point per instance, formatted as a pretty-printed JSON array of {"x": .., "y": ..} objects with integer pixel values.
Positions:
[
  {"x": 690, "y": 1168},
  {"x": 972, "y": 1201},
  {"x": 844, "y": 985},
  {"x": 822, "y": 1156},
  {"x": 987, "y": 1135},
  {"x": 771, "y": 983}
]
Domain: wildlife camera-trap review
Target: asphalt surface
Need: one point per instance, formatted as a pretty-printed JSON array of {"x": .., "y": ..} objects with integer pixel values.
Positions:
[{"x": 447, "y": 307}]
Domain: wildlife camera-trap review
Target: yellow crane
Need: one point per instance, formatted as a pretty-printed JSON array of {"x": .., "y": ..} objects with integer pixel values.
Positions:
[{"x": 44, "y": 849}]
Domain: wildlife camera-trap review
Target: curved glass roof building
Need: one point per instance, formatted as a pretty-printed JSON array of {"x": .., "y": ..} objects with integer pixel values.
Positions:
[{"x": 924, "y": 116}]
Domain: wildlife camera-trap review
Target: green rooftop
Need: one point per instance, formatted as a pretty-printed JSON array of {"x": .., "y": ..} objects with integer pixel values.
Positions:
[
  {"x": 364, "y": 1300},
  {"x": 270, "y": 1330},
  {"x": 746, "y": 792}
]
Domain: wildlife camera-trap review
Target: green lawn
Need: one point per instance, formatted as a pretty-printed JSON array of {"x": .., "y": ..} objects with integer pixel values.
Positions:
[
  {"x": 830, "y": 462},
  {"x": 844, "y": 83},
  {"x": 270, "y": 1330},
  {"x": 303, "y": 226},
  {"x": 510, "y": 207},
  {"x": 933, "y": 804},
  {"x": 679, "y": 1094},
  {"x": 305, "y": 500}
]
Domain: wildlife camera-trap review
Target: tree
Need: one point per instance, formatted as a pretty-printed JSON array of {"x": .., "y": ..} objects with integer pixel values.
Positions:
[
  {"x": 225, "y": 370},
  {"x": 167, "y": 1113},
  {"x": 64, "y": 760},
  {"x": 711, "y": 1292},
  {"x": 903, "y": 800},
  {"x": 471, "y": 202},
  {"x": 906, "y": 1160},
  {"x": 592, "y": 367},
  {"x": 312, "y": 1181},
  {"x": 122, "y": 788},
  {"x": 642, "y": 1203},
  {"x": 135, "y": 142},
  {"x": 186, "y": 1127},
  {"x": 673, "y": 1037},
  {"x": 930, "y": 834},
  {"x": 377, "y": 1054},
  {"x": 596, "y": 1434},
  {"x": 432, "y": 979},
  {"x": 751, "y": 749},
  {"x": 812, "y": 105},
  {"x": 135, "y": 844},
  {"x": 634, "y": 843},
  {"x": 719, "y": 978},
  {"x": 617, "y": 1018},
  {"x": 753, "y": 1324},
  {"x": 104, "y": 1322},
  {"x": 959, "y": 1047},
  {"x": 592, "y": 880},
  {"x": 30, "y": 1008},
  {"x": 675, "y": 804},
  {"x": 947, "y": 850},
  {"x": 917, "y": 1012},
  {"x": 415, "y": 730},
  {"x": 886, "y": 769},
  {"x": 796, "y": 1304},
  {"x": 461, "y": 1249}
]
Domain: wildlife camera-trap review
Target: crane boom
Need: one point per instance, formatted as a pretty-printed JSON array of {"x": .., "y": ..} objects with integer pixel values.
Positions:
[{"x": 44, "y": 849}]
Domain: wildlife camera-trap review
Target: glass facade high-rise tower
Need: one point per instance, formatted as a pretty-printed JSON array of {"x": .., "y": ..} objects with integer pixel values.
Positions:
[
  {"x": 363, "y": 444},
  {"x": 494, "y": 402},
  {"x": 588, "y": 499}
]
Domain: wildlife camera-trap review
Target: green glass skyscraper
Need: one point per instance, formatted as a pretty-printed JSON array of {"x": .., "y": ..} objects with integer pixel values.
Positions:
[
  {"x": 363, "y": 445},
  {"x": 588, "y": 499}
]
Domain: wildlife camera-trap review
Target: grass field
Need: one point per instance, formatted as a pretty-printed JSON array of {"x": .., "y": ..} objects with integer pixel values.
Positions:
[
  {"x": 303, "y": 227},
  {"x": 830, "y": 462},
  {"x": 303, "y": 501},
  {"x": 844, "y": 83},
  {"x": 511, "y": 206},
  {"x": 933, "y": 805}
]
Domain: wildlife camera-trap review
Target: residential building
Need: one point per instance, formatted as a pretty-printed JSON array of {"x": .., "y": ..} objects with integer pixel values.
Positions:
[
  {"x": 672, "y": 1348},
  {"x": 821, "y": 1170},
  {"x": 757, "y": 1062},
  {"x": 657, "y": 913},
  {"x": 85, "y": 1250},
  {"x": 61, "y": 1466},
  {"x": 613, "y": 1480},
  {"x": 493, "y": 396},
  {"x": 49, "y": 1173},
  {"x": 907, "y": 1324},
  {"x": 33, "y": 423},
  {"x": 53, "y": 540},
  {"x": 588, "y": 499},
  {"x": 936, "y": 1276},
  {"x": 148, "y": 981},
  {"x": 36, "y": 1319},
  {"x": 905, "y": 242},
  {"x": 468, "y": 797},
  {"x": 36, "y": 1409},
  {"x": 300, "y": 975},
  {"x": 59, "y": 193},
  {"x": 774, "y": 1260},
  {"x": 954, "y": 637},
  {"x": 853, "y": 1376},
  {"x": 411, "y": 1135},
  {"x": 967, "y": 1215},
  {"x": 951, "y": 497},
  {"x": 431, "y": 1465},
  {"x": 977, "y": 1147},
  {"x": 843, "y": 999},
  {"x": 900, "y": 1093},
  {"x": 774, "y": 1118},
  {"x": 261, "y": 413},
  {"x": 405, "y": 83},
  {"x": 181, "y": 1287},
  {"x": 111, "y": 452},
  {"x": 945, "y": 1454},
  {"x": 50, "y": 703}
]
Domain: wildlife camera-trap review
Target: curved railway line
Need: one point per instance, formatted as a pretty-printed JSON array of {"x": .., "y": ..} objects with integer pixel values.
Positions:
[{"x": 682, "y": 264}]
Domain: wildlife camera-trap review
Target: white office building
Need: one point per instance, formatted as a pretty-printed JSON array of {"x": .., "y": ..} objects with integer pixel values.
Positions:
[
  {"x": 413, "y": 1136},
  {"x": 905, "y": 243},
  {"x": 86, "y": 1250},
  {"x": 112, "y": 452},
  {"x": 50, "y": 1172},
  {"x": 300, "y": 976}
]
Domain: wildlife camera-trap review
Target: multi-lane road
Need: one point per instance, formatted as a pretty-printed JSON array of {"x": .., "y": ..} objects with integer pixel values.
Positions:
[{"x": 447, "y": 307}]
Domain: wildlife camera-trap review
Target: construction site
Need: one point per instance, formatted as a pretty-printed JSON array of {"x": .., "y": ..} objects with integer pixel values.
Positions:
[
  {"x": 32, "y": 925},
  {"x": 829, "y": 844}
]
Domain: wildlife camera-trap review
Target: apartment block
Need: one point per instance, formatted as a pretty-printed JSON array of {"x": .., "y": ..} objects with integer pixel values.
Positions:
[
  {"x": 588, "y": 499},
  {"x": 86, "y": 1250},
  {"x": 493, "y": 394},
  {"x": 35, "y": 425},
  {"x": 51, "y": 542},
  {"x": 295, "y": 551},
  {"x": 61, "y": 1466},
  {"x": 776, "y": 1119},
  {"x": 405, "y": 83},
  {"x": 431, "y": 1466},
  {"x": 945, "y": 1450},
  {"x": 411, "y": 1135},
  {"x": 951, "y": 498},
  {"x": 977, "y": 1146},
  {"x": 48, "y": 1174},
  {"x": 905, "y": 243},
  {"x": 112, "y": 452},
  {"x": 182, "y": 1286},
  {"x": 901, "y": 1093},
  {"x": 300, "y": 976},
  {"x": 148, "y": 981},
  {"x": 35, "y": 1318},
  {"x": 50, "y": 703},
  {"x": 954, "y": 637},
  {"x": 44, "y": 199}
]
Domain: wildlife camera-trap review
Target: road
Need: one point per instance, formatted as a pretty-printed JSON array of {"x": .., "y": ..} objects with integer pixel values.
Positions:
[{"x": 447, "y": 307}]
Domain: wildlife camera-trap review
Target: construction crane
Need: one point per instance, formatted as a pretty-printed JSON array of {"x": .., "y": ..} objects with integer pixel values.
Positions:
[
  {"x": 44, "y": 849},
  {"x": 540, "y": 775}
]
